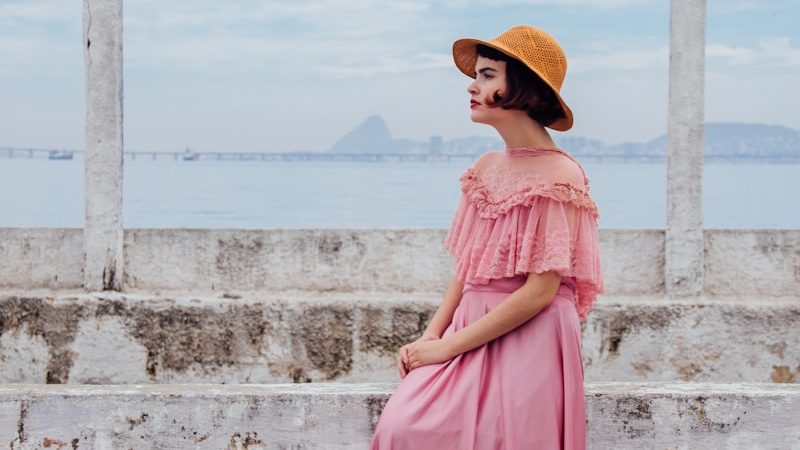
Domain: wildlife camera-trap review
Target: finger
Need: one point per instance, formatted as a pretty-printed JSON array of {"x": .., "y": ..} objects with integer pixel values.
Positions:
[
  {"x": 412, "y": 361},
  {"x": 404, "y": 356},
  {"x": 403, "y": 371}
]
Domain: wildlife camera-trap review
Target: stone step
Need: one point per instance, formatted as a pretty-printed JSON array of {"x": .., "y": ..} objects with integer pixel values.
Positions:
[
  {"x": 343, "y": 416},
  {"x": 301, "y": 336}
]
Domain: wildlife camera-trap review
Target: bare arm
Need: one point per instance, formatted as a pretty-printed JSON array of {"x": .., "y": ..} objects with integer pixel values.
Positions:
[
  {"x": 444, "y": 314},
  {"x": 440, "y": 321},
  {"x": 522, "y": 304}
]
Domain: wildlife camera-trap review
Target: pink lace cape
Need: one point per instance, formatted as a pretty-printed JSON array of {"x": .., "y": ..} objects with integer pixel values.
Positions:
[{"x": 522, "y": 215}]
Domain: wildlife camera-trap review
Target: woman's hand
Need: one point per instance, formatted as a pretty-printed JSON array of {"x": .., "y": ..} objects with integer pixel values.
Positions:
[
  {"x": 402, "y": 358},
  {"x": 428, "y": 352}
]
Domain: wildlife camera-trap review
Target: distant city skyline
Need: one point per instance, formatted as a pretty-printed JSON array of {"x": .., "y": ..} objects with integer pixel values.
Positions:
[
  {"x": 723, "y": 141},
  {"x": 263, "y": 75}
]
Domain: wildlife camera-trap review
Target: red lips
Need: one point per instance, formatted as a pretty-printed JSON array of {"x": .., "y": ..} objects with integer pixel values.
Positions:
[{"x": 473, "y": 103}]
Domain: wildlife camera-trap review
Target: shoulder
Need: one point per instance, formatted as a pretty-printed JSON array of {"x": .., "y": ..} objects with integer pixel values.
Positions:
[
  {"x": 485, "y": 160},
  {"x": 566, "y": 170}
]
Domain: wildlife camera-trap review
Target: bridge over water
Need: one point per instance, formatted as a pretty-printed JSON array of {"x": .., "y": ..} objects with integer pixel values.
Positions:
[
  {"x": 244, "y": 156},
  {"x": 31, "y": 153}
]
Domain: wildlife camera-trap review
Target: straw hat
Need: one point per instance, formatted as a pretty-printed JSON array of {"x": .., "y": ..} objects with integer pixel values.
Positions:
[{"x": 536, "y": 49}]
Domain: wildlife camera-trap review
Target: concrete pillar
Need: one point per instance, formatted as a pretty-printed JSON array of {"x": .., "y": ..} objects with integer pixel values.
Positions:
[
  {"x": 102, "y": 33},
  {"x": 684, "y": 233}
]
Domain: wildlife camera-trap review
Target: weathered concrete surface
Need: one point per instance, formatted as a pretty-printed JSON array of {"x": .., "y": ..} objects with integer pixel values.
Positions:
[
  {"x": 719, "y": 340},
  {"x": 190, "y": 416},
  {"x": 102, "y": 38},
  {"x": 632, "y": 261},
  {"x": 267, "y": 337},
  {"x": 753, "y": 261},
  {"x": 340, "y": 260},
  {"x": 748, "y": 263},
  {"x": 343, "y": 416},
  {"x": 296, "y": 336},
  {"x": 49, "y": 258},
  {"x": 685, "y": 125},
  {"x": 692, "y": 416}
]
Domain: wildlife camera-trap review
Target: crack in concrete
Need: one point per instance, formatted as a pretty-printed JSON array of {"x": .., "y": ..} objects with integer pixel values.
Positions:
[
  {"x": 21, "y": 436},
  {"x": 88, "y": 26}
]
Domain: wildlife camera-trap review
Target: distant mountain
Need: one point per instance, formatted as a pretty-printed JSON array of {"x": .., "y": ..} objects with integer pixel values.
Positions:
[
  {"x": 721, "y": 139},
  {"x": 739, "y": 139},
  {"x": 371, "y": 136}
]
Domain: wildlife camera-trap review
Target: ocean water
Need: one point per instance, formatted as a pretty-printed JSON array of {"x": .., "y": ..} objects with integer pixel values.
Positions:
[{"x": 254, "y": 194}]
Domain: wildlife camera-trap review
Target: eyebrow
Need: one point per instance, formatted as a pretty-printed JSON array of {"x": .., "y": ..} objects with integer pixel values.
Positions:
[{"x": 485, "y": 69}]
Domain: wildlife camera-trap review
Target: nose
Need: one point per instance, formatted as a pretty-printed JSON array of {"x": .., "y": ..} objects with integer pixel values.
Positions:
[{"x": 472, "y": 89}]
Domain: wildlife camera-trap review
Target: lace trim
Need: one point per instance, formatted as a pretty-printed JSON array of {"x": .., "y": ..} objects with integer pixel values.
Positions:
[
  {"x": 478, "y": 194},
  {"x": 520, "y": 242},
  {"x": 532, "y": 151}
]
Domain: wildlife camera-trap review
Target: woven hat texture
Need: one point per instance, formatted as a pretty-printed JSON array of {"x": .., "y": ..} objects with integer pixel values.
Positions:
[{"x": 535, "y": 48}]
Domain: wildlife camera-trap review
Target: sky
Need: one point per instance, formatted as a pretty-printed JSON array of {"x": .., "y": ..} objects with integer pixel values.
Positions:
[{"x": 283, "y": 75}]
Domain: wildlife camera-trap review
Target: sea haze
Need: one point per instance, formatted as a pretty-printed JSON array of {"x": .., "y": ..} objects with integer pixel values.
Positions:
[{"x": 233, "y": 194}]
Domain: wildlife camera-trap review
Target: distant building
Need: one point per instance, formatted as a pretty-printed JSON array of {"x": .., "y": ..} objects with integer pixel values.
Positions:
[{"x": 435, "y": 145}]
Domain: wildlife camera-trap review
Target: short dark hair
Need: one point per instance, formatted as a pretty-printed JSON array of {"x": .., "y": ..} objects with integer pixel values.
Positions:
[{"x": 525, "y": 90}]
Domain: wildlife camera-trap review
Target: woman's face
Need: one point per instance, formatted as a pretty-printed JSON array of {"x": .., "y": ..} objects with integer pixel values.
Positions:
[{"x": 490, "y": 79}]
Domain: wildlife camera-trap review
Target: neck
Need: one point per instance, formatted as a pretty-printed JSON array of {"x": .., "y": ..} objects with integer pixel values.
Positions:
[{"x": 520, "y": 131}]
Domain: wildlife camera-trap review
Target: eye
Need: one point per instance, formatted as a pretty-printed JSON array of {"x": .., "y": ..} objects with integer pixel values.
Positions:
[{"x": 487, "y": 76}]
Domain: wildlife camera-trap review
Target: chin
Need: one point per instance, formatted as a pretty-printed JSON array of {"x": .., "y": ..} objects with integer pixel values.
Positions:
[{"x": 477, "y": 118}]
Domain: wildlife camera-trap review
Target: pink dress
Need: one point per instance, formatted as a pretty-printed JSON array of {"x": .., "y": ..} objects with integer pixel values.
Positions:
[{"x": 521, "y": 211}]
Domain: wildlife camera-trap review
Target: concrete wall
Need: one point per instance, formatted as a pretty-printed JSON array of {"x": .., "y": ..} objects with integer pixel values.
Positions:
[
  {"x": 747, "y": 262},
  {"x": 343, "y": 416},
  {"x": 737, "y": 262},
  {"x": 50, "y": 258},
  {"x": 295, "y": 336}
]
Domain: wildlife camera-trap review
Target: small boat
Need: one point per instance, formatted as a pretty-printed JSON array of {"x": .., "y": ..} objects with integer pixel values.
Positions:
[
  {"x": 190, "y": 155},
  {"x": 59, "y": 154}
]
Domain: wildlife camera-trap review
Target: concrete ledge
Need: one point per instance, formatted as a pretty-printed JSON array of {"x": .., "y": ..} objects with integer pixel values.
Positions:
[
  {"x": 692, "y": 416},
  {"x": 737, "y": 262},
  {"x": 301, "y": 336},
  {"x": 343, "y": 416},
  {"x": 41, "y": 258},
  {"x": 742, "y": 262}
]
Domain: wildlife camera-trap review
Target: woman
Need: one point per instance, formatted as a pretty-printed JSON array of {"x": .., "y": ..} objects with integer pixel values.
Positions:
[{"x": 499, "y": 366}]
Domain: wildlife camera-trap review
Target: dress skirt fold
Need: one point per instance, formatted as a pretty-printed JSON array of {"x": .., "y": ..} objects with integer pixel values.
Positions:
[{"x": 523, "y": 390}]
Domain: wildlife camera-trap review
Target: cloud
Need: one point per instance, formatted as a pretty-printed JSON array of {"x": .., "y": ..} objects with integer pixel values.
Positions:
[
  {"x": 280, "y": 58},
  {"x": 23, "y": 55},
  {"x": 268, "y": 17},
  {"x": 324, "y": 37},
  {"x": 748, "y": 6},
  {"x": 620, "y": 60},
  {"x": 392, "y": 64},
  {"x": 599, "y": 4},
  {"x": 733, "y": 7},
  {"x": 774, "y": 52},
  {"x": 41, "y": 11},
  {"x": 731, "y": 55}
]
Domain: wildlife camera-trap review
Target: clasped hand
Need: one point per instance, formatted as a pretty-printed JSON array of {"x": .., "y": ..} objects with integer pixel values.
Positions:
[{"x": 426, "y": 350}]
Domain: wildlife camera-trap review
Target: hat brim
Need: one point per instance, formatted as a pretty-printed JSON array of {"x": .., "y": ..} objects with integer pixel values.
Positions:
[{"x": 465, "y": 55}]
